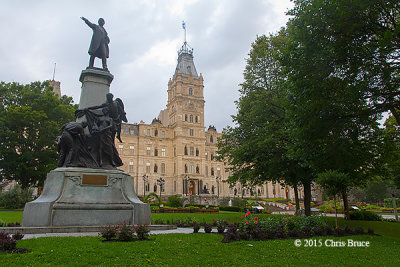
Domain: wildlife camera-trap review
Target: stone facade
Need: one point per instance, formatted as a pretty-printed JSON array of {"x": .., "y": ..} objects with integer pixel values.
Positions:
[{"x": 178, "y": 148}]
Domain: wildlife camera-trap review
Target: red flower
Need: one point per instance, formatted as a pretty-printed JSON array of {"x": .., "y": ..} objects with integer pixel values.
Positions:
[
  {"x": 242, "y": 217},
  {"x": 246, "y": 215},
  {"x": 247, "y": 223},
  {"x": 256, "y": 218},
  {"x": 255, "y": 222}
]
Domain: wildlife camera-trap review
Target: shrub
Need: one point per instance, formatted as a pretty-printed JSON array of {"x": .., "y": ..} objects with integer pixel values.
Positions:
[
  {"x": 175, "y": 201},
  {"x": 221, "y": 225},
  {"x": 196, "y": 227},
  {"x": 348, "y": 230},
  {"x": 16, "y": 197},
  {"x": 7, "y": 243},
  {"x": 142, "y": 232},
  {"x": 207, "y": 228},
  {"x": 370, "y": 231},
  {"x": 233, "y": 208},
  {"x": 359, "y": 230},
  {"x": 307, "y": 231},
  {"x": 293, "y": 233},
  {"x": 125, "y": 232},
  {"x": 18, "y": 236},
  {"x": 108, "y": 232},
  {"x": 364, "y": 215},
  {"x": 328, "y": 230},
  {"x": 389, "y": 202},
  {"x": 318, "y": 231}
]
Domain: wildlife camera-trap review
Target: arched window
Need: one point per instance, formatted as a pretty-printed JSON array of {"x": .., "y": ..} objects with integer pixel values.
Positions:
[
  {"x": 211, "y": 139},
  {"x": 191, "y": 118},
  {"x": 156, "y": 152},
  {"x": 196, "y": 119},
  {"x": 190, "y": 91},
  {"x": 186, "y": 168},
  {"x": 185, "y": 117},
  {"x": 212, "y": 171},
  {"x": 197, "y": 152},
  {"x": 155, "y": 168},
  {"x": 185, "y": 151},
  {"x": 197, "y": 169}
]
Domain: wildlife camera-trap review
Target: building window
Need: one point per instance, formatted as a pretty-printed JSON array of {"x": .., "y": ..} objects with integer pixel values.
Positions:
[
  {"x": 206, "y": 171},
  {"x": 186, "y": 169},
  {"x": 156, "y": 152},
  {"x": 185, "y": 117},
  {"x": 147, "y": 187},
  {"x": 191, "y": 151},
  {"x": 191, "y": 118},
  {"x": 163, "y": 152},
  {"x": 211, "y": 139},
  {"x": 197, "y": 169},
  {"x": 191, "y": 132},
  {"x": 155, "y": 132},
  {"x": 218, "y": 171},
  {"x": 212, "y": 171},
  {"x": 197, "y": 152},
  {"x": 155, "y": 188},
  {"x": 147, "y": 167},
  {"x": 212, "y": 156},
  {"x": 148, "y": 132},
  {"x": 120, "y": 149},
  {"x": 155, "y": 168},
  {"x": 131, "y": 150},
  {"x": 148, "y": 151},
  {"x": 196, "y": 119},
  {"x": 191, "y": 167},
  {"x": 174, "y": 186},
  {"x": 163, "y": 134},
  {"x": 130, "y": 166},
  {"x": 190, "y": 91},
  {"x": 163, "y": 168},
  {"x": 185, "y": 151},
  {"x": 174, "y": 167},
  {"x": 206, "y": 155}
]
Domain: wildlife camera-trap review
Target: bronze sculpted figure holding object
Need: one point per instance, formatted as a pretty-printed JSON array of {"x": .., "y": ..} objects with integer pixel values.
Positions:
[{"x": 99, "y": 44}]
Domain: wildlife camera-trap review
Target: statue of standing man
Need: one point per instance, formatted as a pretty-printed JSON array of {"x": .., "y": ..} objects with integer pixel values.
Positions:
[{"x": 99, "y": 44}]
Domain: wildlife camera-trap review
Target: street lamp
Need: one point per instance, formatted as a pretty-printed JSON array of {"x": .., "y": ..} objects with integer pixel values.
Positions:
[
  {"x": 218, "y": 180},
  {"x": 186, "y": 179},
  {"x": 144, "y": 184},
  {"x": 161, "y": 183}
]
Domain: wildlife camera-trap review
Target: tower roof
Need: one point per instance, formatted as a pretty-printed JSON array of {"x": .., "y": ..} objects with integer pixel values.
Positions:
[{"x": 185, "y": 61}]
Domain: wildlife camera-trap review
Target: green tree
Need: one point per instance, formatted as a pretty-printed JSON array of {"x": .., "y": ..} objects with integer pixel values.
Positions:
[
  {"x": 357, "y": 40},
  {"x": 333, "y": 126},
  {"x": 334, "y": 183},
  {"x": 256, "y": 148},
  {"x": 31, "y": 117}
]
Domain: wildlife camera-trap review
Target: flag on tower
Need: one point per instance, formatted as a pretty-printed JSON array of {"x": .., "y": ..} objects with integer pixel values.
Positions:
[{"x": 183, "y": 25}]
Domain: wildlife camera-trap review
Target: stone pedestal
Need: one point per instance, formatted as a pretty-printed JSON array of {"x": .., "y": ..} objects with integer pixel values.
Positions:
[
  {"x": 86, "y": 197},
  {"x": 95, "y": 86}
]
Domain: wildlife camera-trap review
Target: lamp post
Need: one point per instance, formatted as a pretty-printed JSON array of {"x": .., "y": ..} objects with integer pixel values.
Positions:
[
  {"x": 186, "y": 179},
  {"x": 161, "y": 183},
  {"x": 218, "y": 180},
  {"x": 144, "y": 184}
]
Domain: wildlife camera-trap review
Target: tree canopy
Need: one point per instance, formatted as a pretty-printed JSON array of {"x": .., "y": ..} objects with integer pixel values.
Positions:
[{"x": 31, "y": 117}]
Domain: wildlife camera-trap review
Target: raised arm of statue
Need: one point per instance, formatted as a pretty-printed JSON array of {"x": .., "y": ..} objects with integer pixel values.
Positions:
[{"x": 91, "y": 25}]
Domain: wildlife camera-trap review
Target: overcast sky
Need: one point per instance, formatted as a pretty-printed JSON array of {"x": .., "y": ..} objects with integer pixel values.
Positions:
[{"x": 145, "y": 37}]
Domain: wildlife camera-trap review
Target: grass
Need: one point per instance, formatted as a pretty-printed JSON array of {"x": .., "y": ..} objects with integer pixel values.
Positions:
[
  {"x": 11, "y": 216},
  {"x": 200, "y": 250}
]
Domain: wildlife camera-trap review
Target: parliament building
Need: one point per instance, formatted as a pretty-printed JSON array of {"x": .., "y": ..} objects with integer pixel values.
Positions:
[{"x": 178, "y": 150}]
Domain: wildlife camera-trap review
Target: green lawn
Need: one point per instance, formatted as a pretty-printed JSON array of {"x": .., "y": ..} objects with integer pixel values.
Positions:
[
  {"x": 201, "y": 250},
  {"x": 11, "y": 216}
]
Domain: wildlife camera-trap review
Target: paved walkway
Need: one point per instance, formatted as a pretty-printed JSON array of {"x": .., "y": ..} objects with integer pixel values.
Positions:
[{"x": 188, "y": 230}]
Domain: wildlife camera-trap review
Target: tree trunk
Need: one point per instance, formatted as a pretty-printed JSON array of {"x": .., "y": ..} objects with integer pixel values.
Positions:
[
  {"x": 296, "y": 198},
  {"x": 346, "y": 206},
  {"x": 307, "y": 197},
  {"x": 334, "y": 202},
  {"x": 395, "y": 207}
]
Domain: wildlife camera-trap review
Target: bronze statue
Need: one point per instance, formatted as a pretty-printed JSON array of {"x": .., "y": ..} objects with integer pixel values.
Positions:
[{"x": 99, "y": 44}]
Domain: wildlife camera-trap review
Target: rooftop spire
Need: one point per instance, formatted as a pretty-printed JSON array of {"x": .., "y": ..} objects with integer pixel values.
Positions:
[{"x": 185, "y": 47}]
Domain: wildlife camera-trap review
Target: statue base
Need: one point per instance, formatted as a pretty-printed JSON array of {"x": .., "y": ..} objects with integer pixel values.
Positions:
[{"x": 86, "y": 197}]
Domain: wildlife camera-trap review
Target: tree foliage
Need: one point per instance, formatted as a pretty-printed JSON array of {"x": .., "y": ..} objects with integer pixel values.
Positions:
[{"x": 31, "y": 117}]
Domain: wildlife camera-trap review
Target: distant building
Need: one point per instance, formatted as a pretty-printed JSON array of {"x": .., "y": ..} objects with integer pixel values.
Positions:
[
  {"x": 177, "y": 147},
  {"x": 56, "y": 87}
]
